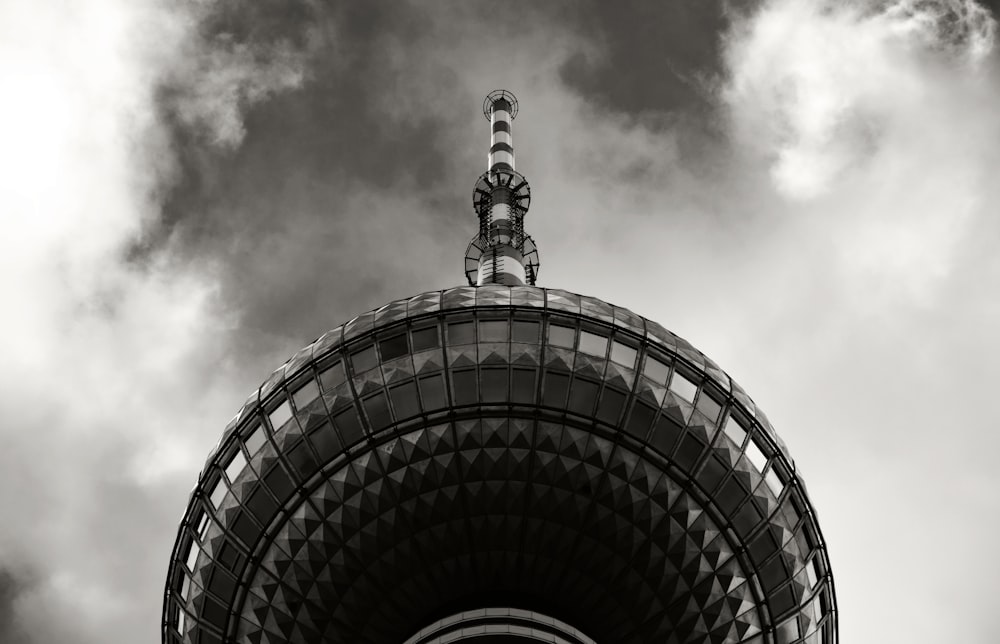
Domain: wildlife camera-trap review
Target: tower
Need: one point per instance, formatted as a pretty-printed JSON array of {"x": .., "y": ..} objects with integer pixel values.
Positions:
[{"x": 499, "y": 462}]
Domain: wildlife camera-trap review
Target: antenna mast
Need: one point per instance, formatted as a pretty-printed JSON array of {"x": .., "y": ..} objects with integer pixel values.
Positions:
[{"x": 501, "y": 253}]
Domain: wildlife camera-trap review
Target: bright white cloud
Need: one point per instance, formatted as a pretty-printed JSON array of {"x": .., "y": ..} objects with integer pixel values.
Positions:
[
  {"x": 876, "y": 126},
  {"x": 818, "y": 83},
  {"x": 875, "y": 115},
  {"x": 110, "y": 368}
]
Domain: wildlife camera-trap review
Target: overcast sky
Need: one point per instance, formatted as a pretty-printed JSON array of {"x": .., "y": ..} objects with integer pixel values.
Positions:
[{"x": 191, "y": 190}]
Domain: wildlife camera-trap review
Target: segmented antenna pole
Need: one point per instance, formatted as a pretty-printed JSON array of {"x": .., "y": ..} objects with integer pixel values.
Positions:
[{"x": 501, "y": 253}]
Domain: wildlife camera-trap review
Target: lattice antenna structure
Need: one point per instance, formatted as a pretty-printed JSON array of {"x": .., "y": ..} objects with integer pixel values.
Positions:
[{"x": 501, "y": 252}]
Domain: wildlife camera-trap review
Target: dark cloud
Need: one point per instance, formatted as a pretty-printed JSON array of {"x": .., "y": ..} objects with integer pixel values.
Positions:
[
  {"x": 652, "y": 56},
  {"x": 280, "y": 212},
  {"x": 383, "y": 132},
  {"x": 11, "y": 587}
]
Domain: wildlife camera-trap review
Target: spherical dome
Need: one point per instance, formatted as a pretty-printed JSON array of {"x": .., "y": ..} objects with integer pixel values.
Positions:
[{"x": 514, "y": 449}]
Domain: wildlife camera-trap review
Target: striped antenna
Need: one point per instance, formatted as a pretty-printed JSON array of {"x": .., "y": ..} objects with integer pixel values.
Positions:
[{"x": 501, "y": 253}]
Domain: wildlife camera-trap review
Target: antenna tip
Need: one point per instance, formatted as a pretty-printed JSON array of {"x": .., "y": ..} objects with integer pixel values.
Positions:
[{"x": 500, "y": 99}]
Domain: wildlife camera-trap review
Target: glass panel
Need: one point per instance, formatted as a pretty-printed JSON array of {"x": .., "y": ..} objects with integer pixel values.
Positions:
[
  {"x": 427, "y": 361},
  {"x": 562, "y": 336},
  {"x": 747, "y": 519},
  {"x": 595, "y": 308},
  {"x": 236, "y": 465},
  {"x": 708, "y": 406},
  {"x": 683, "y": 387},
  {"x": 396, "y": 370},
  {"x": 563, "y": 300},
  {"x": 665, "y": 434},
  {"x": 493, "y": 330},
  {"x": 280, "y": 415},
  {"x": 426, "y": 338},
  {"x": 789, "y": 511},
  {"x": 582, "y": 396},
  {"x": 461, "y": 333},
  {"x": 612, "y": 402},
  {"x": 640, "y": 420},
  {"x": 217, "y": 494},
  {"x": 711, "y": 473},
  {"x": 755, "y": 455},
  {"x": 735, "y": 431},
  {"x": 333, "y": 376},
  {"x": 525, "y": 331},
  {"x": 554, "y": 389},
  {"x": 788, "y": 631},
  {"x": 404, "y": 400},
  {"x": 527, "y": 355},
  {"x": 812, "y": 573},
  {"x": 773, "y": 482},
  {"x": 391, "y": 312},
  {"x": 689, "y": 452},
  {"x": 463, "y": 355},
  {"x": 523, "y": 385},
  {"x": 655, "y": 370},
  {"x": 377, "y": 408},
  {"x": 593, "y": 344},
  {"x": 327, "y": 341},
  {"x": 359, "y": 325},
  {"x": 349, "y": 425},
  {"x": 393, "y": 347},
  {"x": 424, "y": 303},
  {"x": 432, "y": 392},
  {"x": 254, "y": 441},
  {"x": 326, "y": 442},
  {"x": 623, "y": 354},
  {"x": 202, "y": 525},
  {"x": 650, "y": 392},
  {"x": 492, "y": 295},
  {"x": 305, "y": 395},
  {"x": 527, "y": 296},
  {"x": 464, "y": 387},
  {"x": 459, "y": 297},
  {"x": 730, "y": 496},
  {"x": 302, "y": 459},
  {"x": 364, "y": 359},
  {"x": 192, "y": 555},
  {"x": 494, "y": 385}
]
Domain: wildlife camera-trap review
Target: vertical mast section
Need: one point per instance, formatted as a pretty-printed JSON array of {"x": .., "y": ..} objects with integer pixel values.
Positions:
[{"x": 501, "y": 253}]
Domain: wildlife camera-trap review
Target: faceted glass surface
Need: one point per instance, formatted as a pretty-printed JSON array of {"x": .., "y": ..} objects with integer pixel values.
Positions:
[{"x": 552, "y": 450}]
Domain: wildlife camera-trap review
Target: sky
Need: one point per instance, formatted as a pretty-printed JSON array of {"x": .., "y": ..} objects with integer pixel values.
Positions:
[{"x": 192, "y": 190}]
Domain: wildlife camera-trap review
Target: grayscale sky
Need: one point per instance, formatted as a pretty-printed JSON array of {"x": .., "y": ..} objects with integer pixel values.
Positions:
[{"x": 191, "y": 190}]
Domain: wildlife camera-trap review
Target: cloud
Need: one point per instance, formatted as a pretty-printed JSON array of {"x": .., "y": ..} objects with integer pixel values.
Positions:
[
  {"x": 823, "y": 85},
  {"x": 217, "y": 78},
  {"x": 112, "y": 367},
  {"x": 13, "y": 588},
  {"x": 877, "y": 112}
]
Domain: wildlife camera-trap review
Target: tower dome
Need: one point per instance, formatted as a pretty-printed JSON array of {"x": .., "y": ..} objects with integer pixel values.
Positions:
[{"x": 503, "y": 463}]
